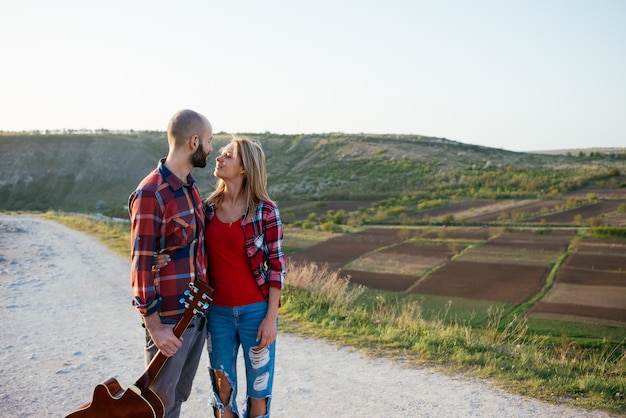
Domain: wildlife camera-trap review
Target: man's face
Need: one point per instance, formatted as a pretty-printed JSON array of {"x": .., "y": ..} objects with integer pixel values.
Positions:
[{"x": 199, "y": 157}]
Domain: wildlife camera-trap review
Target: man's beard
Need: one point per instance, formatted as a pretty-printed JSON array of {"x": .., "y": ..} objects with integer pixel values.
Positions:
[{"x": 198, "y": 158}]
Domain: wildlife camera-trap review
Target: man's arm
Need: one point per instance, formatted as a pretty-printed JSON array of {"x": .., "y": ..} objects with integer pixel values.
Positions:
[{"x": 145, "y": 214}]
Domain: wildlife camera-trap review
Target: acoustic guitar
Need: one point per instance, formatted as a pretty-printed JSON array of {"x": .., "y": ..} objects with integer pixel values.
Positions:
[{"x": 110, "y": 400}]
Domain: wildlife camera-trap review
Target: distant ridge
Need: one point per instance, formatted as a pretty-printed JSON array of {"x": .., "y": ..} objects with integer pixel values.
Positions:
[{"x": 95, "y": 172}]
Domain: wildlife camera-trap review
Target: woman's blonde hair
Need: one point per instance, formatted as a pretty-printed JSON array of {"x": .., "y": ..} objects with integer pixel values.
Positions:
[{"x": 254, "y": 186}]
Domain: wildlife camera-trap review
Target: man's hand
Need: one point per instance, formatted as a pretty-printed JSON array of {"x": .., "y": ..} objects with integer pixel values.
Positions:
[{"x": 162, "y": 335}]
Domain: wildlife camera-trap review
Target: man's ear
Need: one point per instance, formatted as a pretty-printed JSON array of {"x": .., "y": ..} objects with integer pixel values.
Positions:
[{"x": 194, "y": 142}]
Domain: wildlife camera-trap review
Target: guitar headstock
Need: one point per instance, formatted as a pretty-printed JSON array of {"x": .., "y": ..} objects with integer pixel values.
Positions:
[{"x": 197, "y": 297}]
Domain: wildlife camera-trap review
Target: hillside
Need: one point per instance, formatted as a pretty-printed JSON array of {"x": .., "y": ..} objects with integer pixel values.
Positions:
[{"x": 97, "y": 172}]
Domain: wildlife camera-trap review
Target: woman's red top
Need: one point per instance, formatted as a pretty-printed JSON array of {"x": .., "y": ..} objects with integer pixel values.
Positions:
[{"x": 230, "y": 274}]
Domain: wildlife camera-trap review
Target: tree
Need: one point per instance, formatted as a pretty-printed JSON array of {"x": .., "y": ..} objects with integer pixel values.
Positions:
[{"x": 448, "y": 219}]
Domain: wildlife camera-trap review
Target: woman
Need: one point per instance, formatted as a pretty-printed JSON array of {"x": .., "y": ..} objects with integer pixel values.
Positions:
[
  {"x": 246, "y": 270},
  {"x": 243, "y": 236}
]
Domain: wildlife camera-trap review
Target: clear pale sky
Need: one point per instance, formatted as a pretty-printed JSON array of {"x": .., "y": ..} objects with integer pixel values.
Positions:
[{"x": 519, "y": 75}]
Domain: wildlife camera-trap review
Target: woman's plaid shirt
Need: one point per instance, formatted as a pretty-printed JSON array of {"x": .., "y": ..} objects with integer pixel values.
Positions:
[{"x": 263, "y": 237}]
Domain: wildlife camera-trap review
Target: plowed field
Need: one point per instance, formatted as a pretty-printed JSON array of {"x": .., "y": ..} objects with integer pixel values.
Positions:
[
  {"x": 457, "y": 209},
  {"x": 511, "y": 267},
  {"x": 486, "y": 281},
  {"x": 341, "y": 250},
  {"x": 587, "y": 211},
  {"x": 591, "y": 285},
  {"x": 386, "y": 281},
  {"x": 524, "y": 206}
]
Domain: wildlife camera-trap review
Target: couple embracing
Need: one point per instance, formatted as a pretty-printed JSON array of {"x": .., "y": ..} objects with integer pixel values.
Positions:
[{"x": 231, "y": 240}]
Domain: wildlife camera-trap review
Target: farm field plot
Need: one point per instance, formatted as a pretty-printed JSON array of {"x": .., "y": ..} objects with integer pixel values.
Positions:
[
  {"x": 509, "y": 268},
  {"x": 404, "y": 253},
  {"x": 522, "y": 206},
  {"x": 347, "y": 205},
  {"x": 591, "y": 285},
  {"x": 302, "y": 208},
  {"x": 284, "y": 204},
  {"x": 614, "y": 218},
  {"x": 398, "y": 267},
  {"x": 609, "y": 191},
  {"x": 521, "y": 247},
  {"x": 598, "y": 209},
  {"x": 573, "y": 312},
  {"x": 339, "y": 251},
  {"x": 589, "y": 296},
  {"x": 603, "y": 246},
  {"x": 590, "y": 277},
  {"x": 597, "y": 262},
  {"x": 382, "y": 281},
  {"x": 521, "y": 255},
  {"x": 406, "y": 258},
  {"x": 555, "y": 240},
  {"x": 500, "y": 282},
  {"x": 457, "y": 233},
  {"x": 457, "y": 209}
]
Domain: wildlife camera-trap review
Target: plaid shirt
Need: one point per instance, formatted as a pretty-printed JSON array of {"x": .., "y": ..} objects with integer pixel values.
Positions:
[
  {"x": 263, "y": 237},
  {"x": 166, "y": 217}
]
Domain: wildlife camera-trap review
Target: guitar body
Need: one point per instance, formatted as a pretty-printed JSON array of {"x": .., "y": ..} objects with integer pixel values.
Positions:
[
  {"x": 111, "y": 401},
  {"x": 139, "y": 401}
]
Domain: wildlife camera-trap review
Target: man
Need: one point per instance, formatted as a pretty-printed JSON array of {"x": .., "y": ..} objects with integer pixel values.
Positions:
[{"x": 167, "y": 218}]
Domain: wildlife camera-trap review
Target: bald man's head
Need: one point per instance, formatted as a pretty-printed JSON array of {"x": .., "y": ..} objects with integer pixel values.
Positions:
[{"x": 185, "y": 124}]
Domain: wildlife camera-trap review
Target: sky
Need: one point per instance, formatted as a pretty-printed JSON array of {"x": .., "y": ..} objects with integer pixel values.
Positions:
[{"x": 521, "y": 75}]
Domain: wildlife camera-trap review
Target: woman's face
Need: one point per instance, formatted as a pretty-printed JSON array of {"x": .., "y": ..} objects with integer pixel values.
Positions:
[{"x": 227, "y": 167}]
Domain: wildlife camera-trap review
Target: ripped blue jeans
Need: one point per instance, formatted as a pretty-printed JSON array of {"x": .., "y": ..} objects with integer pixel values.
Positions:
[{"x": 233, "y": 328}]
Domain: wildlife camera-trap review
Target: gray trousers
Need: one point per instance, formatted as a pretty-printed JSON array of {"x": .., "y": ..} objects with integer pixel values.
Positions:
[{"x": 174, "y": 381}]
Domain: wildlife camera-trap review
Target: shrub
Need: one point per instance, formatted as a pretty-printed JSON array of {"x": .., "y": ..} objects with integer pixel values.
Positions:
[
  {"x": 331, "y": 227},
  {"x": 609, "y": 231}
]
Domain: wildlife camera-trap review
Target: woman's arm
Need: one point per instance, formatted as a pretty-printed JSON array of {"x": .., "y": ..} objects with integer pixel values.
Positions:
[{"x": 268, "y": 329}]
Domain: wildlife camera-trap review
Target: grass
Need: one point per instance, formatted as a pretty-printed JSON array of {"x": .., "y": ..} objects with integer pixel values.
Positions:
[
  {"x": 591, "y": 374},
  {"x": 556, "y": 361},
  {"x": 297, "y": 239},
  {"x": 513, "y": 255},
  {"x": 115, "y": 235}
]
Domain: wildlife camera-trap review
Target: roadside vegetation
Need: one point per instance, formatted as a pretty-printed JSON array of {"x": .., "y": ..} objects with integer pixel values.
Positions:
[
  {"x": 591, "y": 375},
  {"x": 580, "y": 364}
]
